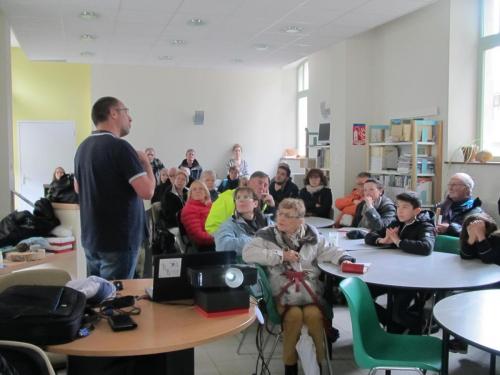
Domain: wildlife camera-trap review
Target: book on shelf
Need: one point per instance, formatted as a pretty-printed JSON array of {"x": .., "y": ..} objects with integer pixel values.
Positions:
[{"x": 378, "y": 133}]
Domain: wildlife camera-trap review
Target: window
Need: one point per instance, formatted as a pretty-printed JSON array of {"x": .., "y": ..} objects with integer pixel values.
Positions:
[
  {"x": 302, "y": 90},
  {"x": 489, "y": 50}
]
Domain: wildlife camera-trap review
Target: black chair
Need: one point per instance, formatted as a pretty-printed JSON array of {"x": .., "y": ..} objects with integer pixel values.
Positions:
[
  {"x": 185, "y": 244},
  {"x": 23, "y": 359}
]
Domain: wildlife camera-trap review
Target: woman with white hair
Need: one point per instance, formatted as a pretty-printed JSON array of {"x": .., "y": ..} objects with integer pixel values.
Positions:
[
  {"x": 291, "y": 251},
  {"x": 458, "y": 205}
]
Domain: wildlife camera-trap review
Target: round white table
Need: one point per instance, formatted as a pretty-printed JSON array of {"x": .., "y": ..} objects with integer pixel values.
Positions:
[
  {"x": 474, "y": 317},
  {"x": 394, "y": 268},
  {"x": 319, "y": 222}
]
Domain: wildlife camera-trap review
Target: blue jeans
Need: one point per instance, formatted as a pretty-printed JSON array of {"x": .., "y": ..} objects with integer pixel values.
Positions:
[{"x": 116, "y": 265}]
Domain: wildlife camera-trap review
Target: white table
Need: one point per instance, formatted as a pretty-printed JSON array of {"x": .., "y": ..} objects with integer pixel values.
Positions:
[
  {"x": 475, "y": 318},
  {"x": 394, "y": 268},
  {"x": 319, "y": 222},
  {"x": 332, "y": 234}
]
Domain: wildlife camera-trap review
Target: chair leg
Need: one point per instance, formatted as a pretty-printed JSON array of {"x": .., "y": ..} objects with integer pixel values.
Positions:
[
  {"x": 275, "y": 344},
  {"x": 328, "y": 354}
]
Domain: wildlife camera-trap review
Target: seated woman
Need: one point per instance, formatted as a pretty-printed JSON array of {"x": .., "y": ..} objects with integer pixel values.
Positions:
[
  {"x": 232, "y": 180},
  {"x": 192, "y": 164},
  {"x": 240, "y": 228},
  {"x": 480, "y": 238},
  {"x": 316, "y": 194},
  {"x": 238, "y": 161},
  {"x": 291, "y": 249},
  {"x": 174, "y": 199},
  {"x": 375, "y": 211},
  {"x": 347, "y": 205},
  {"x": 458, "y": 204},
  {"x": 208, "y": 178},
  {"x": 162, "y": 187},
  {"x": 61, "y": 188},
  {"x": 194, "y": 214}
]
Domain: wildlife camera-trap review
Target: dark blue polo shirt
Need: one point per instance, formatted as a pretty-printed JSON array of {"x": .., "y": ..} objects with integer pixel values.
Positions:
[{"x": 112, "y": 214}]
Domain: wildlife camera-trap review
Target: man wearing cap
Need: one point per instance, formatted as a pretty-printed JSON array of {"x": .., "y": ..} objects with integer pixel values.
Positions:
[
  {"x": 282, "y": 185},
  {"x": 458, "y": 204}
]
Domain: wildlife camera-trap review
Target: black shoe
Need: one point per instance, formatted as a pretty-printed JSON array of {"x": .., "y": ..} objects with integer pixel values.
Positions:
[
  {"x": 458, "y": 346},
  {"x": 291, "y": 369},
  {"x": 332, "y": 334}
]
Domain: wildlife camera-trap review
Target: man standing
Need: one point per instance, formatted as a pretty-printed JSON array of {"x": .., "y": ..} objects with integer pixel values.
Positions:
[
  {"x": 112, "y": 179},
  {"x": 282, "y": 185}
]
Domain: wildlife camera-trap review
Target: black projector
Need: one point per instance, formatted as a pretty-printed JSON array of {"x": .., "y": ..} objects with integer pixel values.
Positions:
[
  {"x": 219, "y": 290},
  {"x": 222, "y": 276}
]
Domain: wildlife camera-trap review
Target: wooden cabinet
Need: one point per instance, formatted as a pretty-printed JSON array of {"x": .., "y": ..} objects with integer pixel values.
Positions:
[{"x": 407, "y": 155}]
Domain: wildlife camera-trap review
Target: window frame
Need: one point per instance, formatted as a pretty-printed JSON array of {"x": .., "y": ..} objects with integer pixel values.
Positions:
[
  {"x": 302, "y": 92},
  {"x": 485, "y": 43}
]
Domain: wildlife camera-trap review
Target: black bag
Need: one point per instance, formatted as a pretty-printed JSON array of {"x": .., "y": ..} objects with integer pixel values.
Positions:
[
  {"x": 63, "y": 190},
  {"x": 41, "y": 315}
]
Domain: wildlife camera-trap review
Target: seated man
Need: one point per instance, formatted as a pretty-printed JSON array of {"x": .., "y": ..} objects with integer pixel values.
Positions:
[
  {"x": 232, "y": 180},
  {"x": 458, "y": 205},
  {"x": 375, "y": 211},
  {"x": 224, "y": 206},
  {"x": 282, "y": 185},
  {"x": 347, "y": 205},
  {"x": 480, "y": 238},
  {"x": 413, "y": 232}
]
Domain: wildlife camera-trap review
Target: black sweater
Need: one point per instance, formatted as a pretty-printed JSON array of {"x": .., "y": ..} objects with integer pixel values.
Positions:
[
  {"x": 487, "y": 250},
  {"x": 416, "y": 238},
  {"x": 323, "y": 197}
]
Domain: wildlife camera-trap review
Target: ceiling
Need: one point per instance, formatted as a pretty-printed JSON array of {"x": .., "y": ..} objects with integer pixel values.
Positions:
[{"x": 233, "y": 33}]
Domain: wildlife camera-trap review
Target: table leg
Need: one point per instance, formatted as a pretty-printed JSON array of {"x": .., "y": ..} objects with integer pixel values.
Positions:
[
  {"x": 180, "y": 362},
  {"x": 390, "y": 307},
  {"x": 445, "y": 353},
  {"x": 493, "y": 359}
]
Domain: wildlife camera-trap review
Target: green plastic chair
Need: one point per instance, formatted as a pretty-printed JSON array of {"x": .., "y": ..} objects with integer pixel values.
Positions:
[
  {"x": 376, "y": 349},
  {"x": 447, "y": 244}
]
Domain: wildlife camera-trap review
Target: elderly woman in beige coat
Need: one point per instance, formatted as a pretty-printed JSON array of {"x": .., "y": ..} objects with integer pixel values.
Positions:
[{"x": 291, "y": 251}]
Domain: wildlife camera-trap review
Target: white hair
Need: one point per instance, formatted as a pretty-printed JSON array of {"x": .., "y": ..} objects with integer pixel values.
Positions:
[{"x": 466, "y": 179}]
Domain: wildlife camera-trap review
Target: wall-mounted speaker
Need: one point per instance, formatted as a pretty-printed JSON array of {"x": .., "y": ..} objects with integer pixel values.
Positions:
[{"x": 199, "y": 117}]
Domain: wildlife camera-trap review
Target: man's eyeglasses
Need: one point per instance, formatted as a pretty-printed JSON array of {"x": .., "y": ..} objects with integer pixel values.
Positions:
[
  {"x": 288, "y": 216},
  {"x": 455, "y": 185}
]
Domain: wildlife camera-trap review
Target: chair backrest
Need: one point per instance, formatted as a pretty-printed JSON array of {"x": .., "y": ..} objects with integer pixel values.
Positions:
[
  {"x": 155, "y": 212},
  {"x": 25, "y": 358},
  {"x": 447, "y": 244},
  {"x": 45, "y": 276},
  {"x": 271, "y": 310},
  {"x": 366, "y": 328}
]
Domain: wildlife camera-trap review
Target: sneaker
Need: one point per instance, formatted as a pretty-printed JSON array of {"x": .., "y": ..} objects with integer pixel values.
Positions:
[{"x": 457, "y": 346}]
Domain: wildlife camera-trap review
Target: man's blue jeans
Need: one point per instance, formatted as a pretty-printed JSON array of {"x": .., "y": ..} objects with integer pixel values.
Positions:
[{"x": 111, "y": 265}]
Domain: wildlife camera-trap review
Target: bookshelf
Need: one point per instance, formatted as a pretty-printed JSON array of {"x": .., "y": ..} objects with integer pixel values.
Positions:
[
  {"x": 317, "y": 156},
  {"x": 407, "y": 155}
]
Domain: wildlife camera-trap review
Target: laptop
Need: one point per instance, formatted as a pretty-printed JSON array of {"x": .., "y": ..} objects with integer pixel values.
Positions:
[{"x": 170, "y": 279}]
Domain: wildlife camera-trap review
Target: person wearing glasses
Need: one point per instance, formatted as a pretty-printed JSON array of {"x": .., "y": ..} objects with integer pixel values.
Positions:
[
  {"x": 458, "y": 205},
  {"x": 112, "y": 179},
  {"x": 240, "y": 228},
  {"x": 291, "y": 251}
]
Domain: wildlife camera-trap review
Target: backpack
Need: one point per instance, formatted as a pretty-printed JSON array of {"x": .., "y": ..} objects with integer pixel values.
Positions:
[{"x": 41, "y": 314}]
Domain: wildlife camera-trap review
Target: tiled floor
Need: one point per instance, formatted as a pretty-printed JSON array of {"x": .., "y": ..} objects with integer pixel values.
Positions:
[{"x": 220, "y": 358}]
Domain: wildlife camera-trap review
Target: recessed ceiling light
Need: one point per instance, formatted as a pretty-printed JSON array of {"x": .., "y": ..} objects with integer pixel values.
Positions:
[
  {"x": 196, "y": 22},
  {"x": 87, "y": 37},
  {"x": 165, "y": 58},
  {"x": 177, "y": 42},
  {"x": 293, "y": 29},
  {"x": 88, "y": 15},
  {"x": 261, "y": 47},
  {"x": 87, "y": 54}
]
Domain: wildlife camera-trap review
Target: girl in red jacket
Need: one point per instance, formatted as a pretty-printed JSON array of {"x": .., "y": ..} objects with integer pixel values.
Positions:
[{"x": 194, "y": 214}]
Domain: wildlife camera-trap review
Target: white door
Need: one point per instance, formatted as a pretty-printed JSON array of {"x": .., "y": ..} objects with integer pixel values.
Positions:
[{"x": 43, "y": 146}]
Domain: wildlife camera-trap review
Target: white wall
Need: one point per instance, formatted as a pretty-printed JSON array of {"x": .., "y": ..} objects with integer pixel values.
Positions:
[
  {"x": 255, "y": 109},
  {"x": 5, "y": 119}
]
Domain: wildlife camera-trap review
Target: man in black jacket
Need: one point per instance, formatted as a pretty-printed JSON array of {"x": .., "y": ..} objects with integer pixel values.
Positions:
[
  {"x": 413, "y": 232},
  {"x": 282, "y": 186}
]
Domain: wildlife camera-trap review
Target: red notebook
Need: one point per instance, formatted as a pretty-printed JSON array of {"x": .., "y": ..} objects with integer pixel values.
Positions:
[{"x": 354, "y": 267}]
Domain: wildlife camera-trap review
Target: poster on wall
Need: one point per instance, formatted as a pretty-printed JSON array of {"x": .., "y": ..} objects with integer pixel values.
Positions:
[{"x": 358, "y": 134}]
